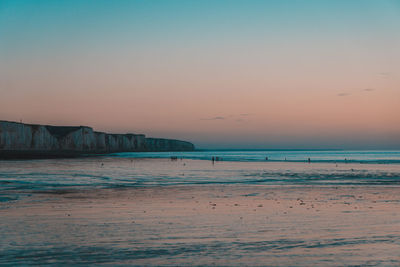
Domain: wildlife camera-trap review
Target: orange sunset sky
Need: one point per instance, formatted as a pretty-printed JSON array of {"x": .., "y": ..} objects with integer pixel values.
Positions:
[{"x": 221, "y": 74}]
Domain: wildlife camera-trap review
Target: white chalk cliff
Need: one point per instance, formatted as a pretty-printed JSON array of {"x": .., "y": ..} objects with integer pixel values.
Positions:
[{"x": 19, "y": 140}]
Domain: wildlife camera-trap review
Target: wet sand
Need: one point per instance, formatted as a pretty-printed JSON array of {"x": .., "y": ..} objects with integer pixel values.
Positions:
[{"x": 253, "y": 225}]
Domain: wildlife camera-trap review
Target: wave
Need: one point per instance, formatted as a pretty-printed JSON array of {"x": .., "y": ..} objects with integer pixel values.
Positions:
[
  {"x": 38, "y": 182},
  {"x": 21, "y": 178}
]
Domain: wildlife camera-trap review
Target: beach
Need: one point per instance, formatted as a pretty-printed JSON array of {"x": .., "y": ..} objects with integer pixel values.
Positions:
[
  {"x": 206, "y": 225},
  {"x": 197, "y": 224}
]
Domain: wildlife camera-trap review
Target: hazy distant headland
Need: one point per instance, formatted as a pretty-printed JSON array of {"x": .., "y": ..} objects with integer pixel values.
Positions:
[{"x": 20, "y": 140}]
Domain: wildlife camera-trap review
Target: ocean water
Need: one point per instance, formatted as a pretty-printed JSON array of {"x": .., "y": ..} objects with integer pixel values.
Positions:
[
  {"x": 327, "y": 156},
  {"x": 146, "y": 209},
  {"x": 196, "y": 168}
]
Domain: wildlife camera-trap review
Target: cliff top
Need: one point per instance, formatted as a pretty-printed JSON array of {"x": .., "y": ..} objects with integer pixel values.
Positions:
[{"x": 61, "y": 131}]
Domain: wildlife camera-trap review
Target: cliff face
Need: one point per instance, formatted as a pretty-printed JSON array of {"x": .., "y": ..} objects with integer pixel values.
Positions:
[
  {"x": 28, "y": 140},
  {"x": 159, "y": 144}
]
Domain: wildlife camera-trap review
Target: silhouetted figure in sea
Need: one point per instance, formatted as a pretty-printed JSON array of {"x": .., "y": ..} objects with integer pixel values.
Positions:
[
  {"x": 309, "y": 160},
  {"x": 212, "y": 159},
  {"x": 266, "y": 158},
  {"x": 217, "y": 159}
]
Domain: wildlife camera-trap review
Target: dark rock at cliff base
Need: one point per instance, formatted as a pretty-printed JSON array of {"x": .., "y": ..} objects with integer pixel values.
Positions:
[{"x": 19, "y": 140}]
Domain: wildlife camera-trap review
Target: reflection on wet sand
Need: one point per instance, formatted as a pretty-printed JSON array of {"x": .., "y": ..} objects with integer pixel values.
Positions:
[{"x": 205, "y": 225}]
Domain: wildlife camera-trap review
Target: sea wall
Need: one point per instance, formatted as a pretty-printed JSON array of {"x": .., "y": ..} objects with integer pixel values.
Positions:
[{"x": 30, "y": 140}]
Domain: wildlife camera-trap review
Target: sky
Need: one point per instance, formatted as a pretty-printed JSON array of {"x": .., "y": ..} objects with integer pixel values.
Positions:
[{"x": 221, "y": 74}]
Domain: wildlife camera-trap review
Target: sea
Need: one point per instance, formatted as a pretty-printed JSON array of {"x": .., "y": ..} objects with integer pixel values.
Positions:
[
  {"x": 203, "y": 208},
  {"x": 269, "y": 167}
]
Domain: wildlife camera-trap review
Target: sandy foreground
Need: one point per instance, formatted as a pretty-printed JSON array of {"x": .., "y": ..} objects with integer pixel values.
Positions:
[{"x": 205, "y": 225}]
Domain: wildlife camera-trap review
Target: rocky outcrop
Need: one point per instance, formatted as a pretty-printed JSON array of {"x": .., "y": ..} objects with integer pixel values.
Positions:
[
  {"x": 19, "y": 140},
  {"x": 159, "y": 144}
]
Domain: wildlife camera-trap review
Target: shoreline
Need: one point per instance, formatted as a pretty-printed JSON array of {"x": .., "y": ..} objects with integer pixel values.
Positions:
[{"x": 152, "y": 212}]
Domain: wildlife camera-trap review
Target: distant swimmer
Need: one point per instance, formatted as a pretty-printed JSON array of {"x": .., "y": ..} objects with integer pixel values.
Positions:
[
  {"x": 266, "y": 158},
  {"x": 309, "y": 160}
]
